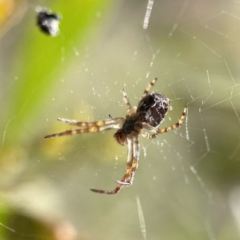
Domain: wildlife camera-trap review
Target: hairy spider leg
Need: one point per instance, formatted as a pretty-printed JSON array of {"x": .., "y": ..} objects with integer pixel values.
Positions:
[
  {"x": 167, "y": 129},
  {"x": 128, "y": 166},
  {"x": 126, "y": 100},
  {"x": 131, "y": 167},
  {"x": 147, "y": 89},
  {"x": 88, "y": 127},
  {"x": 129, "y": 176},
  {"x": 90, "y": 124}
]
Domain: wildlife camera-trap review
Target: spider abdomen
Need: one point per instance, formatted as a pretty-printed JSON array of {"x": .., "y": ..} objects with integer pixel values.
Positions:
[{"x": 152, "y": 109}]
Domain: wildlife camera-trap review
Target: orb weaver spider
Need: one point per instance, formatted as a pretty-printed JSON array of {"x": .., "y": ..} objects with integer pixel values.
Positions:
[{"x": 148, "y": 115}]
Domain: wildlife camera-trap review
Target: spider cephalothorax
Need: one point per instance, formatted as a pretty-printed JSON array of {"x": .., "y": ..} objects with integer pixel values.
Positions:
[
  {"x": 127, "y": 128},
  {"x": 149, "y": 114}
]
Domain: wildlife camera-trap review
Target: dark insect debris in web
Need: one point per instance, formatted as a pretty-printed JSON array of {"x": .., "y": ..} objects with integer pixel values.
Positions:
[{"x": 48, "y": 21}]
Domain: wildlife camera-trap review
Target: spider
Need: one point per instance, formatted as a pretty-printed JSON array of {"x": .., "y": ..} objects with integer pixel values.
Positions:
[{"x": 148, "y": 115}]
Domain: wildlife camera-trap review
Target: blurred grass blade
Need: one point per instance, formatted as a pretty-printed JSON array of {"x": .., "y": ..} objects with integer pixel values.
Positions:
[{"x": 39, "y": 61}]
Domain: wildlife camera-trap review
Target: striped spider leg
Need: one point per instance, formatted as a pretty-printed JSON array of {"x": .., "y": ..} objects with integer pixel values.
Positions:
[
  {"x": 131, "y": 167},
  {"x": 166, "y": 129},
  {"x": 88, "y": 127}
]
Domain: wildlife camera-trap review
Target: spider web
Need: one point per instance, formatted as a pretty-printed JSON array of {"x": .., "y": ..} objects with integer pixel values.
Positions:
[{"x": 187, "y": 184}]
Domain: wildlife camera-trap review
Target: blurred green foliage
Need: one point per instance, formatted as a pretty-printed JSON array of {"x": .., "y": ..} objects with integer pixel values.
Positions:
[
  {"x": 38, "y": 60},
  {"x": 36, "y": 67}
]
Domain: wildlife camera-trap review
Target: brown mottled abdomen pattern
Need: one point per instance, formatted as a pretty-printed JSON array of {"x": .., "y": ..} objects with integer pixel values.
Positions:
[{"x": 152, "y": 109}]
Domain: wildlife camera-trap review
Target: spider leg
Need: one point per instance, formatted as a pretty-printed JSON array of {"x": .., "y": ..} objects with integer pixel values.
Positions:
[
  {"x": 128, "y": 167},
  {"x": 88, "y": 127},
  {"x": 131, "y": 167},
  {"x": 124, "y": 181},
  {"x": 128, "y": 178},
  {"x": 126, "y": 100},
  {"x": 167, "y": 129},
  {"x": 90, "y": 124},
  {"x": 147, "y": 89}
]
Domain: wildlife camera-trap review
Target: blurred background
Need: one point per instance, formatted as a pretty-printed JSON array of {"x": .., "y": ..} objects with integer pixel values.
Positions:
[{"x": 188, "y": 182}]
